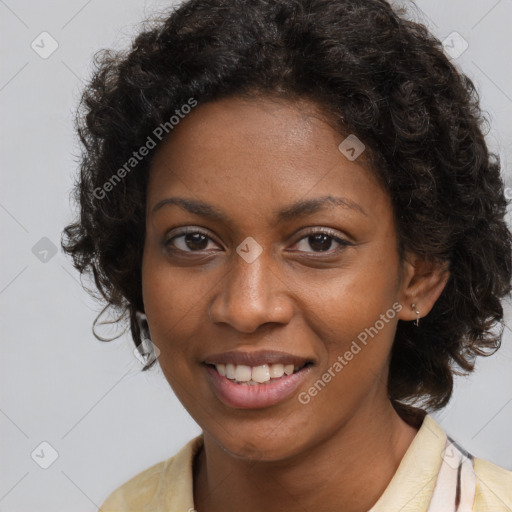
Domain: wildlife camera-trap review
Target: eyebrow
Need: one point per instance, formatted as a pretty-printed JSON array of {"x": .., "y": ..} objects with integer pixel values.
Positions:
[{"x": 298, "y": 209}]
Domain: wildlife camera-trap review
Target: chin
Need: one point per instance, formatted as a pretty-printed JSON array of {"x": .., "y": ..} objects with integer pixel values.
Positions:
[{"x": 258, "y": 448}]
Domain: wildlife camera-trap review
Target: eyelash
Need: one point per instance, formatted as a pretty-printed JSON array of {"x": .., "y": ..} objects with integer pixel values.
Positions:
[{"x": 325, "y": 231}]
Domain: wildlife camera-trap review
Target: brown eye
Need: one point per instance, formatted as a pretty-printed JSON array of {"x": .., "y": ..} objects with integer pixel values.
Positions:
[
  {"x": 188, "y": 241},
  {"x": 322, "y": 241}
]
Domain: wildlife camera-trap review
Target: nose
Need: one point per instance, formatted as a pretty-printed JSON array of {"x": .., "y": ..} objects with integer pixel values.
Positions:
[{"x": 252, "y": 294}]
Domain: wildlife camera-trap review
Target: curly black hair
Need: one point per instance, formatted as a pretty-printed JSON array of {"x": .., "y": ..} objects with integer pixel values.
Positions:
[{"x": 376, "y": 74}]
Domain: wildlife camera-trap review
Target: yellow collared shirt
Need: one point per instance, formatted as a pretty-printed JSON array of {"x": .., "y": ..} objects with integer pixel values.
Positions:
[{"x": 435, "y": 475}]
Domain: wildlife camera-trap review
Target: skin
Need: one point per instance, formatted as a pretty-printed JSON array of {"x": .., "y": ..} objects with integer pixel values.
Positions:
[{"x": 249, "y": 159}]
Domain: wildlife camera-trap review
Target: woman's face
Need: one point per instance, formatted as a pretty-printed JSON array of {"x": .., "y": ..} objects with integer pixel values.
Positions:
[{"x": 272, "y": 272}]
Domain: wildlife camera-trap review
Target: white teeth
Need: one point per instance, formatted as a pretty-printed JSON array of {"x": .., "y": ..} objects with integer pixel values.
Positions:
[
  {"x": 288, "y": 369},
  {"x": 253, "y": 375},
  {"x": 261, "y": 373},
  {"x": 230, "y": 371},
  {"x": 242, "y": 373},
  {"x": 276, "y": 371}
]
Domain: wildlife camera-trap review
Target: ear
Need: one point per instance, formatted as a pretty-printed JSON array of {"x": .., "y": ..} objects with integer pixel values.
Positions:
[{"x": 422, "y": 283}]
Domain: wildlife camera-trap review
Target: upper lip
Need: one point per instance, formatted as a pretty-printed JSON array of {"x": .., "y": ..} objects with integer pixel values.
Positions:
[{"x": 257, "y": 358}]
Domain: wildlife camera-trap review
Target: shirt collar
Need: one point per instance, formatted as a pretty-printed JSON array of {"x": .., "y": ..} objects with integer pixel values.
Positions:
[
  {"x": 412, "y": 485},
  {"x": 409, "y": 490}
]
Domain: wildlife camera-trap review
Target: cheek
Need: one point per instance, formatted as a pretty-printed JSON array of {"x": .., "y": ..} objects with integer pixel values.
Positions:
[
  {"x": 174, "y": 303},
  {"x": 359, "y": 295},
  {"x": 357, "y": 342},
  {"x": 359, "y": 311}
]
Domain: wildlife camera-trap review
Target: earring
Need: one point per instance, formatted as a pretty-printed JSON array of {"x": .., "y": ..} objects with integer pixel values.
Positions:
[
  {"x": 413, "y": 306},
  {"x": 142, "y": 320}
]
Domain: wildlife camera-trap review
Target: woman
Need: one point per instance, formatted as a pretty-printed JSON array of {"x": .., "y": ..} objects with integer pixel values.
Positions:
[{"x": 293, "y": 200}]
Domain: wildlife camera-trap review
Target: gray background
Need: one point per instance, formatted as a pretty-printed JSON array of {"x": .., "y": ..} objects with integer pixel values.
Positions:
[{"x": 105, "y": 419}]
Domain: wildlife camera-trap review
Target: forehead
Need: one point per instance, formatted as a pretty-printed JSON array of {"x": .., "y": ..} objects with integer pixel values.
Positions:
[{"x": 257, "y": 153}]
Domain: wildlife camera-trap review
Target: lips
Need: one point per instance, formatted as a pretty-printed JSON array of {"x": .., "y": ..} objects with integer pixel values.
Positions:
[
  {"x": 259, "y": 358},
  {"x": 239, "y": 388}
]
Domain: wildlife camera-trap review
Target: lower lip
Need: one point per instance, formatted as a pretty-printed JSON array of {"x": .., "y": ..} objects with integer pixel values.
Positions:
[{"x": 245, "y": 396}]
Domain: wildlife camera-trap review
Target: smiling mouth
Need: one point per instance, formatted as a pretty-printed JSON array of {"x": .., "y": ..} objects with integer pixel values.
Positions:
[{"x": 257, "y": 375}]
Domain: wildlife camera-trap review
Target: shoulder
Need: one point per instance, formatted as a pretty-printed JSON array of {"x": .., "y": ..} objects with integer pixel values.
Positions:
[
  {"x": 138, "y": 491},
  {"x": 153, "y": 488},
  {"x": 493, "y": 486},
  {"x": 454, "y": 476},
  {"x": 489, "y": 485}
]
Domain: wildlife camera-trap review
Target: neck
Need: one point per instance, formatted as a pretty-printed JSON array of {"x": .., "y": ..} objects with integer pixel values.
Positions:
[{"x": 352, "y": 468}]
